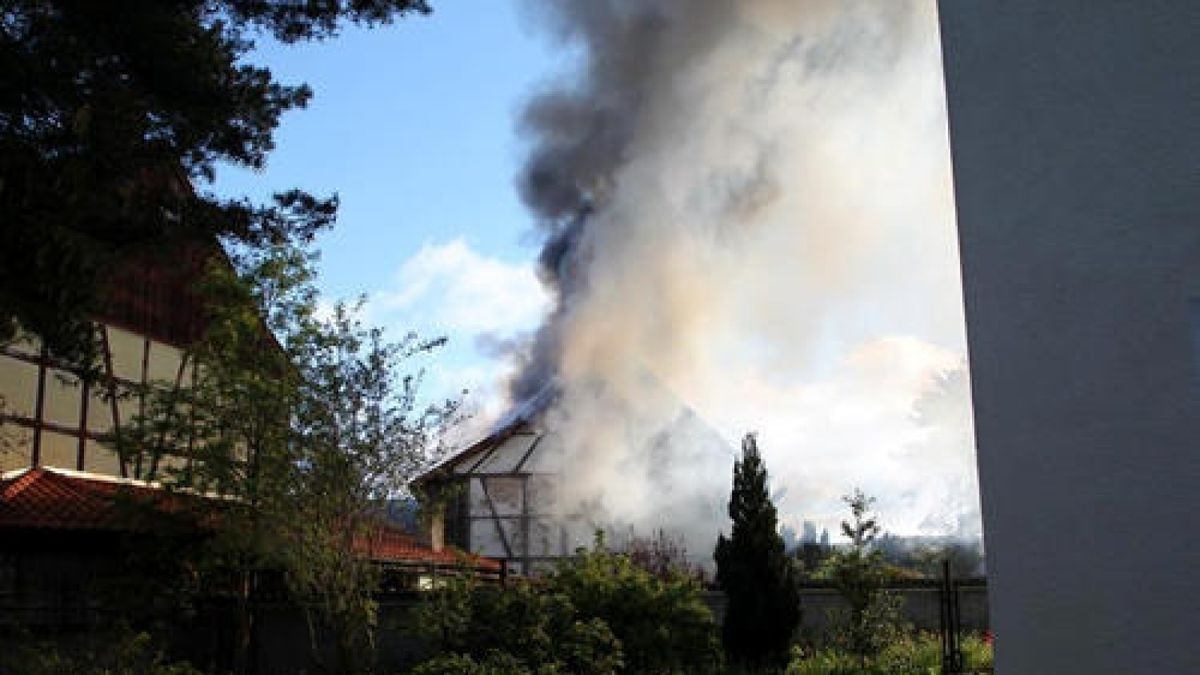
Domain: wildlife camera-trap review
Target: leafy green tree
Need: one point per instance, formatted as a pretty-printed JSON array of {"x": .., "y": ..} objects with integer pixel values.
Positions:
[
  {"x": 299, "y": 421},
  {"x": 860, "y": 573},
  {"x": 110, "y": 112},
  {"x": 756, "y": 574}
]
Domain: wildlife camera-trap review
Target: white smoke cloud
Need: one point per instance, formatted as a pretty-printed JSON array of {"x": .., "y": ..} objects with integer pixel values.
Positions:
[
  {"x": 749, "y": 203},
  {"x": 892, "y": 417},
  {"x": 484, "y": 305}
]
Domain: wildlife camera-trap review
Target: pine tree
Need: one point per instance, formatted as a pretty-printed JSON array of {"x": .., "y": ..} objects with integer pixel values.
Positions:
[{"x": 754, "y": 572}]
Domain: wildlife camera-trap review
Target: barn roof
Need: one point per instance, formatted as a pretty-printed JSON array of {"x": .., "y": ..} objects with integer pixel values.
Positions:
[
  {"x": 525, "y": 419},
  {"x": 520, "y": 420}
]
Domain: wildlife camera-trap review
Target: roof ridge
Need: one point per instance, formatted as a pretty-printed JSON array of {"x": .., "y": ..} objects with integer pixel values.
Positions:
[
  {"x": 102, "y": 478},
  {"x": 20, "y": 480}
]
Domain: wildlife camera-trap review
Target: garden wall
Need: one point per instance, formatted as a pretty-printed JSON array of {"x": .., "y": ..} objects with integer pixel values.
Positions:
[{"x": 920, "y": 606}]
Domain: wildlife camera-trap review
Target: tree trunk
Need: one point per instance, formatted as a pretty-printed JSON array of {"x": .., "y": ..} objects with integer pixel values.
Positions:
[{"x": 243, "y": 641}]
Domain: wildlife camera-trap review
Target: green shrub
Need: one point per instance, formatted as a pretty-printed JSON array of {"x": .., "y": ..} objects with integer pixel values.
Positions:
[
  {"x": 977, "y": 654},
  {"x": 483, "y": 628},
  {"x": 824, "y": 662},
  {"x": 919, "y": 654},
  {"x": 493, "y": 663},
  {"x": 661, "y": 621},
  {"x": 596, "y": 614},
  {"x": 118, "y": 651}
]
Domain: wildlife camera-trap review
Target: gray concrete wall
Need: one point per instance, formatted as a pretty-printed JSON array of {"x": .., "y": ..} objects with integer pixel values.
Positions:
[
  {"x": 920, "y": 607},
  {"x": 1075, "y": 133}
]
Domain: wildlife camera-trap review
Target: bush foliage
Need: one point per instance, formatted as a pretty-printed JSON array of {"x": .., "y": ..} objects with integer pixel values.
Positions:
[
  {"x": 118, "y": 650},
  {"x": 595, "y": 615},
  {"x": 918, "y": 654}
]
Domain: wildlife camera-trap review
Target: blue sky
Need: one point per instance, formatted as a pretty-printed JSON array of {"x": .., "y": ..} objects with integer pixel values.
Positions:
[
  {"x": 413, "y": 126},
  {"x": 823, "y": 327}
]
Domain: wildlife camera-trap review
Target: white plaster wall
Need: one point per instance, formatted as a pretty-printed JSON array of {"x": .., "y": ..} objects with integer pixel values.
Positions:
[{"x": 1075, "y": 132}]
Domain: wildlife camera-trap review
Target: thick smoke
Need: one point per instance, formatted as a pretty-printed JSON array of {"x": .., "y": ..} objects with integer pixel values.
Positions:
[{"x": 748, "y": 224}]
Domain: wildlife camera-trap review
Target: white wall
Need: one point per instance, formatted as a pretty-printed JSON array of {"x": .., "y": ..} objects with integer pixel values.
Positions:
[
  {"x": 62, "y": 417},
  {"x": 1075, "y": 132}
]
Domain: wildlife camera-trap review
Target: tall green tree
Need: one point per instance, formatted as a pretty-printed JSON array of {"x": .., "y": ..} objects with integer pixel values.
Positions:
[
  {"x": 753, "y": 570},
  {"x": 110, "y": 113},
  {"x": 300, "y": 421}
]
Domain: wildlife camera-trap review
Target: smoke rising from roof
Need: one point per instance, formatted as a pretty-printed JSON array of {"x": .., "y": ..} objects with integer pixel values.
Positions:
[{"x": 748, "y": 204}]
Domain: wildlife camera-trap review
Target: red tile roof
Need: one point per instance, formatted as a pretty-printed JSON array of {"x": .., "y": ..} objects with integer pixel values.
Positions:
[
  {"x": 40, "y": 498},
  {"x": 388, "y": 544},
  {"x": 57, "y": 499}
]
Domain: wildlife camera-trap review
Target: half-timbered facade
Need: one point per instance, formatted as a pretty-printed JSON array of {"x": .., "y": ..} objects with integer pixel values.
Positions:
[
  {"x": 54, "y": 418},
  {"x": 499, "y": 497}
]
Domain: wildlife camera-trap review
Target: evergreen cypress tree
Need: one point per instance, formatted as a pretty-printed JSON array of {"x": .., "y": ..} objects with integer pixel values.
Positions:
[{"x": 754, "y": 572}]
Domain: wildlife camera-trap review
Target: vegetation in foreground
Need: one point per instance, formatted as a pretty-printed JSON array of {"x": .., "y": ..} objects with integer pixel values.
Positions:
[
  {"x": 595, "y": 615},
  {"x": 910, "y": 654},
  {"x": 604, "y": 613},
  {"x": 118, "y": 650},
  {"x": 869, "y": 637}
]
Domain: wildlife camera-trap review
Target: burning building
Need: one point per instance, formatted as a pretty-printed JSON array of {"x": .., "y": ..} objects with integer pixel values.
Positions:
[
  {"x": 751, "y": 201},
  {"x": 522, "y": 494}
]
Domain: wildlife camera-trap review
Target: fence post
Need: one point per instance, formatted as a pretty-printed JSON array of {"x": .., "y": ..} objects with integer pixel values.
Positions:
[{"x": 949, "y": 623}]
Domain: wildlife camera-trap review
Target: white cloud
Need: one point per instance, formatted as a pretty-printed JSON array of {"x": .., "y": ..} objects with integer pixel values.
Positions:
[
  {"x": 451, "y": 289},
  {"x": 456, "y": 289}
]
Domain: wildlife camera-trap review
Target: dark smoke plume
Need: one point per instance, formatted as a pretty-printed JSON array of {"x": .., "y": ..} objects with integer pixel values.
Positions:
[{"x": 745, "y": 210}]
